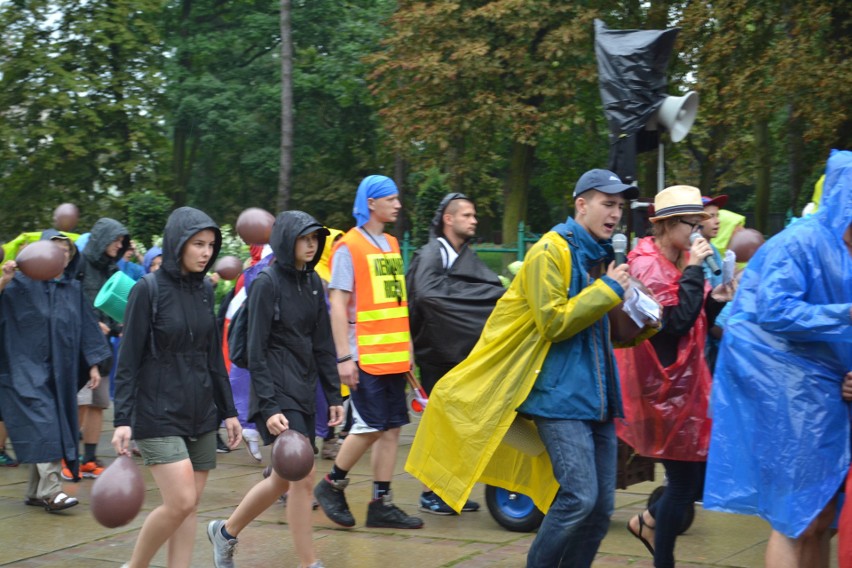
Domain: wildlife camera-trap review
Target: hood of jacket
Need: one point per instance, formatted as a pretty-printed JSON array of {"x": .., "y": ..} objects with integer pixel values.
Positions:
[
  {"x": 182, "y": 224},
  {"x": 149, "y": 257},
  {"x": 71, "y": 269},
  {"x": 104, "y": 232},
  {"x": 289, "y": 226},
  {"x": 835, "y": 209}
]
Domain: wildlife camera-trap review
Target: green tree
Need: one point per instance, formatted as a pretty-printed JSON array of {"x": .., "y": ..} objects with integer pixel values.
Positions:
[
  {"x": 147, "y": 212},
  {"x": 79, "y": 101}
]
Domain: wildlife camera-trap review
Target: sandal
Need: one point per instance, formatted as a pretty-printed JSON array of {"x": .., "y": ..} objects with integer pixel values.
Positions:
[
  {"x": 638, "y": 535},
  {"x": 58, "y": 502}
]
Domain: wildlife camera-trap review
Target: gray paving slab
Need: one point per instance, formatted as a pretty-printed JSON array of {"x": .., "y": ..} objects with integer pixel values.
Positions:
[{"x": 29, "y": 537}]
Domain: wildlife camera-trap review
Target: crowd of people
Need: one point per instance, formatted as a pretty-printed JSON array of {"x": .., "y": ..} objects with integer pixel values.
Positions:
[{"x": 747, "y": 411}]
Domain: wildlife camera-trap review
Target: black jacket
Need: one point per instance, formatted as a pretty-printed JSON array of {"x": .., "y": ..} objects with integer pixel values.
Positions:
[
  {"x": 96, "y": 267},
  {"x": 287, "y": 356},
  {"x": 174, "y": 387}
]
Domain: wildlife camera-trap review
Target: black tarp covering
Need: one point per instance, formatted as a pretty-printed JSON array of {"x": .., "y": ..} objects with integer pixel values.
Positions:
[{"x": 632, "y": 80}]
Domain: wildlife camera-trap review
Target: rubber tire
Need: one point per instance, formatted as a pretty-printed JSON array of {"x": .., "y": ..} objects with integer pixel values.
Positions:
[
  {"x": 513, "y": 511},
  {"x": 690, "y": 513}
]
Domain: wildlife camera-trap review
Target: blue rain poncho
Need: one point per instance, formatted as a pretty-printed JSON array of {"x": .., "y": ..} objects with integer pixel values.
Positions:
[{"x": 780, "y": 441}]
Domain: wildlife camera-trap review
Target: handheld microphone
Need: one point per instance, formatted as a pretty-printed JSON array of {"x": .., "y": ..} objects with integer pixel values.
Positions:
[
  {"x": 709, "y": 261},
  {"x": 619, "y": 247}
]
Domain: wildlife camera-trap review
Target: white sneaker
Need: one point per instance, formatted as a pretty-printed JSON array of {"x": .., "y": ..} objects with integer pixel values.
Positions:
[
  {"x": 252, "y": 439},
  {"x": 223, "y": 549}
]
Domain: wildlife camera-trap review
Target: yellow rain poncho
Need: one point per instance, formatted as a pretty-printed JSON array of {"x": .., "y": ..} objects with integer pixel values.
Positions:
[{"x": 460, "y": 438}]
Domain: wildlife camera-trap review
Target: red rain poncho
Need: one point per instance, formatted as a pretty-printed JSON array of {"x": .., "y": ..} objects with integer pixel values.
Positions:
[{"x": 665, "y": 408}]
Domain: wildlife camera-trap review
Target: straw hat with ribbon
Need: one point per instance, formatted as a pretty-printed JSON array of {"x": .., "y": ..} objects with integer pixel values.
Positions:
[{"x": 676, "y": 201}]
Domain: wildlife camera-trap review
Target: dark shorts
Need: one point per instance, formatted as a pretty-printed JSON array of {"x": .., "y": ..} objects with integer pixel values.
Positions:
[
  {"x": 299, "y": 421},
  {"x": 378, "y": 404}
]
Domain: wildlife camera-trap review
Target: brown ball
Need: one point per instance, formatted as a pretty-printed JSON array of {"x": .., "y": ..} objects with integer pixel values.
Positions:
[
  {"x": 65, "y": 217},
  {"x": 118, "y": 494},
  {"x": 292, "y": 455},
  {"x": 745, "y": 243},
  {"x": 254, "y": 225},
  {"x": 41, "y": 260},
  {"x": 229, "y": 267}
]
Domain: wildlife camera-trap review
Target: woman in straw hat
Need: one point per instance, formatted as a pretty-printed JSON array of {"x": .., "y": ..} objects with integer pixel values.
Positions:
[{"x": 666, "y": 381}]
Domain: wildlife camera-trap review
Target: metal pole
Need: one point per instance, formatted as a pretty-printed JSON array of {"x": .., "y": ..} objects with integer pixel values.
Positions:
[{"x": 661, "y": 168}]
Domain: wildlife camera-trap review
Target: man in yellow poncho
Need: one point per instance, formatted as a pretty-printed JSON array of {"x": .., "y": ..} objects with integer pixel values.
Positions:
[{"x": 545, "y": 353}]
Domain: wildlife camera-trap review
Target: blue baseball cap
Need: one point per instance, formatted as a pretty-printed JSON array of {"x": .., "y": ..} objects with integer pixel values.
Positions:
[{"x": 604, "y": 181}]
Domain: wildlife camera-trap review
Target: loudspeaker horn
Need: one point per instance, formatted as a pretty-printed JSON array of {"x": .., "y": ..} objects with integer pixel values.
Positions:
[{"x": 676, "y": 115}]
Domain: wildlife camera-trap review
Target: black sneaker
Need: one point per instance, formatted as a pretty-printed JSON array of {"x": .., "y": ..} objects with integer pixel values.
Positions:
[
  {"x": 221, "y": 446},
  {"x": 330, "y": 497},
  {"x": 382, "y": 513}
]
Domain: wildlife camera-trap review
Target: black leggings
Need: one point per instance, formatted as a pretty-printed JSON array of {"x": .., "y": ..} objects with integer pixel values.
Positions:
[{"x": 685, "y": 486}]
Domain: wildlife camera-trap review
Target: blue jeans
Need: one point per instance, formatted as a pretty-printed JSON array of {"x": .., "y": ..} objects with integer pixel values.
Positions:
[{"x": 584, "y": 458}]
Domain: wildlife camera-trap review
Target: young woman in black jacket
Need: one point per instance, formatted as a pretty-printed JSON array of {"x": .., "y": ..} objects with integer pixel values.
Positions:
[
  {"x": 287, "y": 355},
  {"x": 171, "y": 380}
]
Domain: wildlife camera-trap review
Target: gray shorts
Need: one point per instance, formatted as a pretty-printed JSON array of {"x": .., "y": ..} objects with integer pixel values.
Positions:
[
  {"x": 99, "y": 397},
  {"x": 201, "y": 451}
]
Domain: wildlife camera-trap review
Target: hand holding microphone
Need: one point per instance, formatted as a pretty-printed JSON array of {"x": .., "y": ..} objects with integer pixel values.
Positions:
[
  {"x": 702, "y": 252},
  {"x": 618, "y": 270}
]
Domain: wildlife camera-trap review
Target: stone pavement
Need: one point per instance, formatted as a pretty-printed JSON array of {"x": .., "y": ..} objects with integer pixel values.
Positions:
[{"x": 30, "y": 537}]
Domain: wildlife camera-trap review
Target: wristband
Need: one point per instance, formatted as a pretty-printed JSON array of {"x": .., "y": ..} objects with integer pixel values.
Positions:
[{"x": 345, "y": 358}]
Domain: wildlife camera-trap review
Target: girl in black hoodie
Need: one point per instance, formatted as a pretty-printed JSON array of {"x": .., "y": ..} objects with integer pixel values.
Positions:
[
  {"x": 287, "y": 356},
  {"x": 170, "y": 381}
]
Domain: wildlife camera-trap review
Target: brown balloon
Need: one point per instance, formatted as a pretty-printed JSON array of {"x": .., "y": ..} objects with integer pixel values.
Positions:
[
  {"x": 254, "y": 225},
  {"x": 118, "y": 493},
  {"x": 229, "y": 267},
  {"x": 745, "y": 243},
  {"x": 41, "y": 260},
  {"x": 65, "y": 217},
  {"x": 292, "y": 455}
]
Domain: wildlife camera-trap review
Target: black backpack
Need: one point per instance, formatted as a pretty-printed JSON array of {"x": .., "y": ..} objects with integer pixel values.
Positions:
[{"x": 238, "y": 329}]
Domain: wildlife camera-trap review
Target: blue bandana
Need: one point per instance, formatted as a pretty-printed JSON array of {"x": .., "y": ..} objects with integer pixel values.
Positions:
[{"x": 372, "y": 187}]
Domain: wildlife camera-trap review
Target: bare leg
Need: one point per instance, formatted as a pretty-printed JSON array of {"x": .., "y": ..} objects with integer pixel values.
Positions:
[
  {"x": 94, "y": 421},
  {"x": 299, "y": 506},
  {"x": 810, "y": 550},
  {"x": 3, "y": 434},
  {"x": 383, "y": 458},
  {"x": 177, "y": 485},
  {"x": 183, "y": 540},
  {"x": 259, "y": 498},
  {"x": 354, "y": 447}
]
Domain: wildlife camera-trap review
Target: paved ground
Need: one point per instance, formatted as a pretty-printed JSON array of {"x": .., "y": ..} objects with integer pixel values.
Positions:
[{"x": 29, "y": 537}]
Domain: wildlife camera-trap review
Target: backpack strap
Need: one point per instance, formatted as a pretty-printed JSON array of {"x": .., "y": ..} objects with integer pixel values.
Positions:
[
  {"x": 153, "y": 296},
  {"x": 276, "y": 307}
]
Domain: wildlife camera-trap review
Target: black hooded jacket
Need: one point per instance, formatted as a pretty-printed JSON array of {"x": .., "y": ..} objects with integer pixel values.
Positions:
[
  {"x": 96, "y": 267},
  {"x": 174, "y": 388},
  {"x": 287, "y": 356}
]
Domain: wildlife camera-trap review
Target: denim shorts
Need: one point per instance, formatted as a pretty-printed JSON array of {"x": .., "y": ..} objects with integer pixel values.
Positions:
[{"x": 201, "y": 451}]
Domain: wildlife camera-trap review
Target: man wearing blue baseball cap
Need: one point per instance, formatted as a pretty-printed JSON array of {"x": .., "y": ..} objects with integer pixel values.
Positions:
[{"x": 545, "y": 353}]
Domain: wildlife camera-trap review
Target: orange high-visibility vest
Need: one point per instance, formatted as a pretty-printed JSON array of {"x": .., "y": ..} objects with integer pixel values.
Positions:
[{"x": 381, "y": 306}]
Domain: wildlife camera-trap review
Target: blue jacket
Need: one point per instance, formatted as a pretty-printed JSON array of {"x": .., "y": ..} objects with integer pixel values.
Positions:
[{"x": 579, "y": 378}]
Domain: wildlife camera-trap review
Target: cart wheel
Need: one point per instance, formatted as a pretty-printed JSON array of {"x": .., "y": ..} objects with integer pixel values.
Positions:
[
  {"x": 512, "y": 511},
  {"x": 690, "y": 513}
]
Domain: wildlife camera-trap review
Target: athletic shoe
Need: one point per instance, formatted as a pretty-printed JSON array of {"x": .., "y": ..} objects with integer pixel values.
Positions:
[
  {"x": 6, "y": 460},
  {"x": 91, "y": 470},
  {"x": 329, "y": 495},
  {"x": 67, "y": 474},
  {"x": 382, "y": 513},
  {"x": 221, "y": 446},
  {"x": 330, "y": 449},
  {"x": 470, "y": 506},
  {"x": 252, "y": 439},
  {"x": 431, "y": 503},
  {"x": 223, "y": 548},
  {"x": 317, "y": 564}
]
